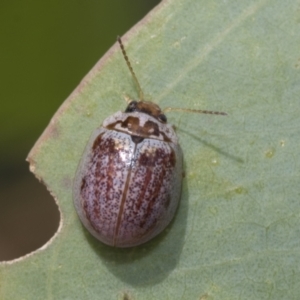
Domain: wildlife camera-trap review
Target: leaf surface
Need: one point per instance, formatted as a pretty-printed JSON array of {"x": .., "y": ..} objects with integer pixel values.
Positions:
[{"x": 236, "y": 234}]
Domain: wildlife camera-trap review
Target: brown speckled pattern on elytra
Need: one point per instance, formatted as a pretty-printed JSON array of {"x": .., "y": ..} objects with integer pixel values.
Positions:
[
  {"x": 146, "y": 208},
  {"x": 127, "y": 189},
  {"x": 121, "y": 213},
  {"x": 103, "y": 181}
]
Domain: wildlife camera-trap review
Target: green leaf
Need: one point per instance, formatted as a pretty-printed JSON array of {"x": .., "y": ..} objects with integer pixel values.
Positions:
[{"x": 236, "y": 234}]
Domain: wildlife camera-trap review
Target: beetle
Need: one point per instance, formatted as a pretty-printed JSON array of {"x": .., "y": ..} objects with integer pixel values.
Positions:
[{"x": 128, "y": 183}]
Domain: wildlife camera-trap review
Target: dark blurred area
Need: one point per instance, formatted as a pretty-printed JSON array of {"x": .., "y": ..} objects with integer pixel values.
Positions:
[{"x": 47, "y": 47}]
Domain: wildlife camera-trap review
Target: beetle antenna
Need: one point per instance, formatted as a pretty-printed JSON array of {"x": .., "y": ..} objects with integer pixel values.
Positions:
[
  {"x": 199, "y": 111},
  {"x": 141, "y": 94}
]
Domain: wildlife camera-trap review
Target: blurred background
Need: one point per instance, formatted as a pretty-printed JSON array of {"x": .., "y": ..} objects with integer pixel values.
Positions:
[{"x": 47, "y": 47}]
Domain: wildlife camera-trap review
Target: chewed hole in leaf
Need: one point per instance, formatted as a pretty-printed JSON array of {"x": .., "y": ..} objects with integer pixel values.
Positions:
[{"x": 29, "y": 218}]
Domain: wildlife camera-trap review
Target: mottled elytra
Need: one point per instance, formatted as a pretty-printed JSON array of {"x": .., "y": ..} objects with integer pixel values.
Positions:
[{"x": 128, "y": 183}]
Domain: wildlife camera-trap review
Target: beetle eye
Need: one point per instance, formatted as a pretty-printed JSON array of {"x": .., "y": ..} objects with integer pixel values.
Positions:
[
  {"x": 131, "y": 107},
  {"x": 162, "y": 118}
]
